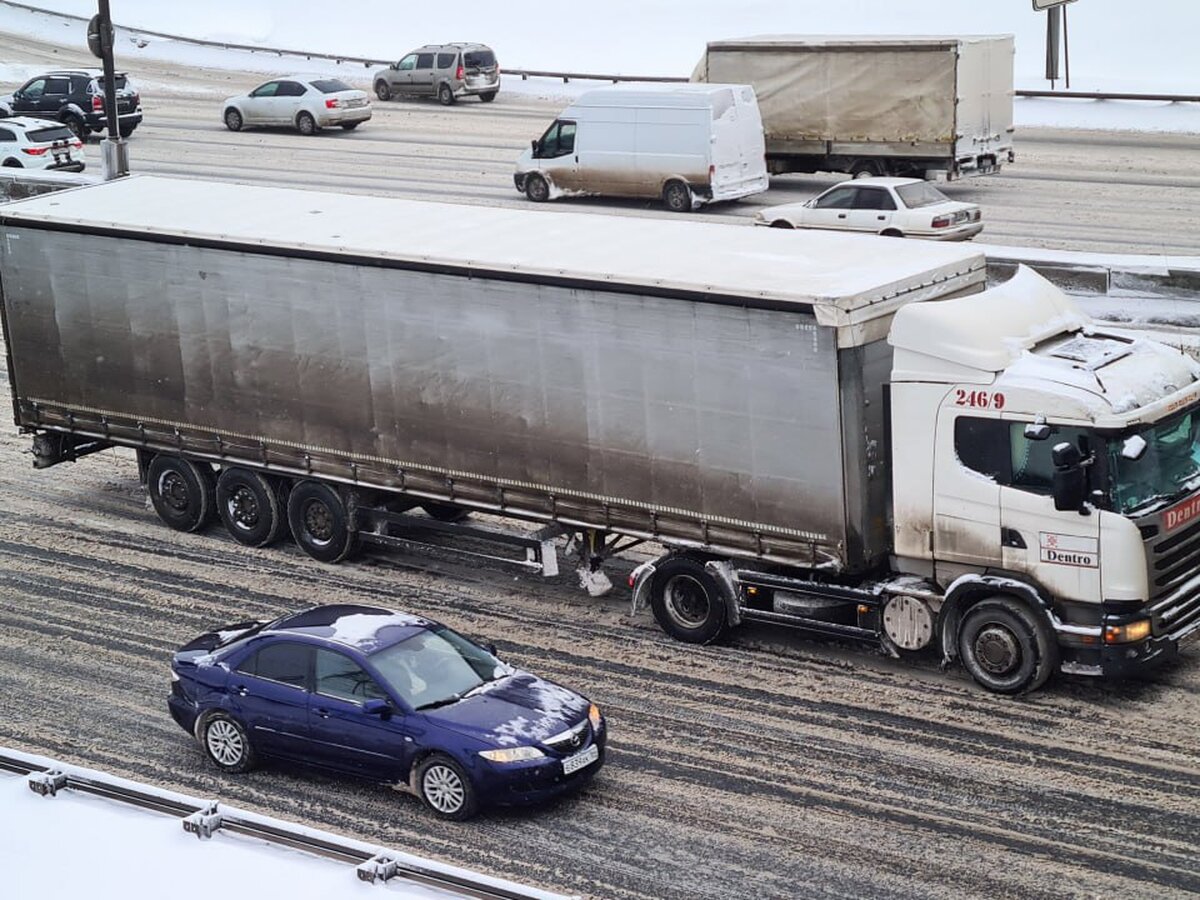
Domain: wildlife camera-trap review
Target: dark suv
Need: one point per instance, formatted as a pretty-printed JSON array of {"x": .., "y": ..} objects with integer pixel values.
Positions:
[{"x": 75, "y": 97}]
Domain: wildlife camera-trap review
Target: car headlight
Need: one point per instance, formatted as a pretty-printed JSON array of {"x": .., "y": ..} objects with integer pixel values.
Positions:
[
  {"x": 512, "y": 754},
  {"x": 594, "y": 716}
]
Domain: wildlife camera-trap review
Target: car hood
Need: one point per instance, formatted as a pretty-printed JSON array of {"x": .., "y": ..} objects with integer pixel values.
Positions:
[{"x": 512, "y": 711}]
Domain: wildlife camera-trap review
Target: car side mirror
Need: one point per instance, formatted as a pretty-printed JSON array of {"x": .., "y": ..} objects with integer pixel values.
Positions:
[
  {"x": 377, "y": 707},
  {"x": 394, "y": 65},
  {"x": 490, "y": 647}
]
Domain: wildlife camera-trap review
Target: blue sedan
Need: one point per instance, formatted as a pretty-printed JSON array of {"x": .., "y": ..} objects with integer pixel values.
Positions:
[{"x": 388, "y": 696}]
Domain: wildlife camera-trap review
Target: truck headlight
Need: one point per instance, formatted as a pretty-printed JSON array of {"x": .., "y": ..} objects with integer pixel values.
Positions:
[
  {"x": 512, "y": 754},
  {"x": 594, "y": 716},
  {"x": 1129, "y": 633}
]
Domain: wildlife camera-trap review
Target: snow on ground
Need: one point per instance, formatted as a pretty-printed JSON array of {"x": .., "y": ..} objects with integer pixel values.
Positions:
[
  {"x": 77, "y": 845},
  {"x": 1115, "y": 46}
]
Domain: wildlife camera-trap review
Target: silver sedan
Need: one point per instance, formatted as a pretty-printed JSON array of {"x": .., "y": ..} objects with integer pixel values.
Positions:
[{"x": 305, "y": 103}]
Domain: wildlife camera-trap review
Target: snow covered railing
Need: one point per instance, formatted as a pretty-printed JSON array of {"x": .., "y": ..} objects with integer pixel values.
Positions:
[
  {"x": 210, "y": 819},
  {"x": 536, "y": 73}
]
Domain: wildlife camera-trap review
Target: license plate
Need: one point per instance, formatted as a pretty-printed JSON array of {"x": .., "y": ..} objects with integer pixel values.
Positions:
[{"x": 581, "y": 760}]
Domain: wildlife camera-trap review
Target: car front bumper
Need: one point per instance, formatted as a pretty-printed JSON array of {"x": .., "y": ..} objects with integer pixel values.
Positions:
[{"x": 519, "y": 784}]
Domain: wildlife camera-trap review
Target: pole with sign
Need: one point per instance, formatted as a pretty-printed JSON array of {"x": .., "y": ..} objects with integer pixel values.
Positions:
[
  {"x": 113, "y": 149},
  {"x": 1056, "y": 35}
]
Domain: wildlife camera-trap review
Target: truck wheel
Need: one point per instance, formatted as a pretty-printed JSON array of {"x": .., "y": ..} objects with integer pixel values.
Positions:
[
  {"x": 536, "y": 188},
  {"x": 181, "y": 492},
  {"x": 1005, "y": 647},
  {"x": 249, "y": 507},
  {"x": 677, "y": 197},
  {"x": 445, "y": 95},
  {"x": 382, "y": 91},
  {"x": 319, "y": 522},
  {"x": 866, "y": 168},
  {"x": 687, "y": 602}
]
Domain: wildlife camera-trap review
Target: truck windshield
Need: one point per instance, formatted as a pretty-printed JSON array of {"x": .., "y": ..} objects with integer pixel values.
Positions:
[{"x": 1168, "y": 469}]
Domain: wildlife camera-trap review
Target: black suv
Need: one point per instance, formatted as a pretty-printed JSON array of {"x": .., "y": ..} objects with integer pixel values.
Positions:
[{"x": 75, "y": 97}]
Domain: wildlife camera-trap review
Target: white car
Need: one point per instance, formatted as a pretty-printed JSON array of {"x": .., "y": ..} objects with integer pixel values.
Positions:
[
  {"x": 29, "y": 143},
  {"x": 894, "y": 207},
  {"x": 305, "y": 103}
]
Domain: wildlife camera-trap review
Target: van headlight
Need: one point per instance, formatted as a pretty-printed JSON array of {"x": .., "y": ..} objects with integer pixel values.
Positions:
[{"x": 512, "y": 754}]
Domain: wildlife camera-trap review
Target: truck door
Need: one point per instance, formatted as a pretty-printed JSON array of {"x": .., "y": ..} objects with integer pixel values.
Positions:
[
  {"x": 966, "y": 498},
  {"x": 1059, "y": 548}
]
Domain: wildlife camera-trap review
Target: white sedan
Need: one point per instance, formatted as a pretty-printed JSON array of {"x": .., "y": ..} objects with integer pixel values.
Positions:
[
  {"x": 29, "y": 143},
  {"x": 304, "y": 103},
  {"x": 894, "y": 207}
]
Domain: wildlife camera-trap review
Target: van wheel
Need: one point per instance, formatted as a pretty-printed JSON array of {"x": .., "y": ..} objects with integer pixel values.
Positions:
[
  {"x": 687, "y": 601},
  {"x": 1005, "y": 647},
  {"x": 382, "y": 91},
  {"x": 445, "y": 95},
  {"x": 488, "y": 97},
  {"x": 536, "y": 188},
  {"x": 181, "y": 492},
  {"x": 320, "y": 522},
  {"x": 677, "y": 197}
]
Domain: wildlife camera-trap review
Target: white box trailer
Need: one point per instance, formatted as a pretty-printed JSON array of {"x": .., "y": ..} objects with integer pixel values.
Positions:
[
  {"x": 688, "y": 144},
  {"x": 842, "y": 433},
  {"x": 928, "y": 107}
]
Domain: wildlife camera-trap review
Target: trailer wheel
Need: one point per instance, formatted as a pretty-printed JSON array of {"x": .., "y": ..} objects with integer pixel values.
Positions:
[
  {"x": 1005, "y": 647},
  {"x": 319, "y": 522},
  {"x": 249, "y": 507},
  {"x": 677, "y": 196},
  {"x": 181, "y": 492},
  {"x": 687, "y": 601}
]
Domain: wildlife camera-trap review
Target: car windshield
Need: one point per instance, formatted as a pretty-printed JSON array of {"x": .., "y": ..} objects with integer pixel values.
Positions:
[
  {"x": 436, "y": 667},
  {"x": 921, "y": 194},
  {"x": 46, "y": 135},
  {"x": 330, "y": 85},
  {"x": 1168, "y": 468},
  {"x": 478, "y": 59}
]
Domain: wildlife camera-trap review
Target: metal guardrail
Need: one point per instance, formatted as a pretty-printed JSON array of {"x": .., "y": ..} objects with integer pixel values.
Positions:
[
  {"x": 566, "y": 77},
  {"x": 202, "y": 820}
]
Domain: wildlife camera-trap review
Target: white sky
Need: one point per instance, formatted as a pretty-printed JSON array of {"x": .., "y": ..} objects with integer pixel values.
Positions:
[{"x": 1115, "y": 44}]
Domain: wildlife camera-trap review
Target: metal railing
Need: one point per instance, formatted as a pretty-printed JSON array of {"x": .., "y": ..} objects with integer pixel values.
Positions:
[
  {"x": 538, "y": 73},
  {"x": 203, "y": 819}
]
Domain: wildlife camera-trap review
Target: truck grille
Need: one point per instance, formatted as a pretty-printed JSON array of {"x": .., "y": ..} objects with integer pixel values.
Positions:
[{"x": 1174, "y": 570}]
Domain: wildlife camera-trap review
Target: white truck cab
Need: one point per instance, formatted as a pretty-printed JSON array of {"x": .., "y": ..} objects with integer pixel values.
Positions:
[{"x": 1039, "y": 456}]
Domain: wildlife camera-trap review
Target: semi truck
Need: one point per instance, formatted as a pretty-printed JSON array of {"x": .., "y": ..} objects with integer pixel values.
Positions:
[
  {"x": 927, "y": 107},
  {"x": 846, "y": 434}
]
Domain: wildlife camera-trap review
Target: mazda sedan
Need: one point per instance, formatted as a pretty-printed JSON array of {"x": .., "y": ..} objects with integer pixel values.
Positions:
[
  {"x": 391, "y": 697},
  {"x": 893, "y": 207},
  {"x": 306, "y": 104}
]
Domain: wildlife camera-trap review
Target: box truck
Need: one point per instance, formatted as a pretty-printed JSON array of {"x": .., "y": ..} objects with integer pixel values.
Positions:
[
  {"x": 686, "y": 144},
  {"x": 925, "y": 107},
  {"x": 846, "y": 434}
]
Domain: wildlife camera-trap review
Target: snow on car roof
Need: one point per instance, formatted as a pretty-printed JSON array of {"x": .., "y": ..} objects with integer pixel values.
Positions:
[
  {"x": 844, "y": 279},
  {"x": 362, "y": 627}
]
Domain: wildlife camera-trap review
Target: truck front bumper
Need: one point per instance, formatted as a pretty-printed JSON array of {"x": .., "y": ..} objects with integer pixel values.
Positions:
[{"x": 1123, "y": 660}]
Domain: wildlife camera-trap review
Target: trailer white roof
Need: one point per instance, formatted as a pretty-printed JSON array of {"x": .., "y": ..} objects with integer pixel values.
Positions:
[
  {"x": 847, "y": 279},
  {"x": 690, "y": 95},
  {"x": 850, "y": 41}
]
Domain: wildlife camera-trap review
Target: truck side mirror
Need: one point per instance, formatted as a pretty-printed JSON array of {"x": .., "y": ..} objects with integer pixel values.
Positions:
[
  {"x": 1070, "y": 483},
  {"x": 1037, "y": 431}
]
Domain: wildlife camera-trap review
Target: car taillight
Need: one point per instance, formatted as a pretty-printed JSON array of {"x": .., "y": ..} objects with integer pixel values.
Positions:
[
  {"x": 943, "y": 221},
  {"x": 78, "y": 145},
  {"x": 97, "y": 103},
  {"x": 332, "y": 103},
  {"x": 497, "y": 70},
  {"x": 459, "y": 73},
  {"x": 34, "y": 151}
]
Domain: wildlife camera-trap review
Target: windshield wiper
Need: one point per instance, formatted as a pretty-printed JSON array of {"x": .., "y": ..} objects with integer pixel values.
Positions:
[{"x": 445, "y": 701}]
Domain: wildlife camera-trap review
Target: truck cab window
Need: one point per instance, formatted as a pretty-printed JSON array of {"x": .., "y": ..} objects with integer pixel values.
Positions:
[
  {"x": 982, "y": 446},
  {"x": 1032, "y": 463}
]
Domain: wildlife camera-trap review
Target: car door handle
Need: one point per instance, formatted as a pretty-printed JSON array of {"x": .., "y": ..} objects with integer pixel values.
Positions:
[
  {"x": 881, "y": 218},
  {"x": 841, "y": 215},
  {"x": 323, "y": 713},
  {"x": 241, "y": 690}
]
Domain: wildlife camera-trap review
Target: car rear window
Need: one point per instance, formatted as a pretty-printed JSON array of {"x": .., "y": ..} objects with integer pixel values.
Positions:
[
  {"x": 330, "y": 85},
  {"x": 46, "y": 135},
  {"x": 479, "y": 58},
  {"x": 917, "y": 195}
]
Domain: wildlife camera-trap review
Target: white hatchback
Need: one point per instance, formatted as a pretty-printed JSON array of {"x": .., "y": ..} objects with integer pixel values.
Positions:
[
  {"x": 894, "y": 207},
  {"x": 29, "y": 143},
  {"x": 305, "y": 103}
]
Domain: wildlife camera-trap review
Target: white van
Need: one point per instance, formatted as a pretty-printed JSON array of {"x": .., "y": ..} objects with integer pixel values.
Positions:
[{"x": 689, "y": 144}]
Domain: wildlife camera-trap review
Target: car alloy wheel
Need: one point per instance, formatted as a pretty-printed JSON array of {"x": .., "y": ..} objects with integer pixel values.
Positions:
[
  {"x": 443, "y": 789},
  {"x": 225, "y": 742}
]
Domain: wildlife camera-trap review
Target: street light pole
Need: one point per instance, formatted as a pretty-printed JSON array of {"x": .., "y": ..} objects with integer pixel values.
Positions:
[{"x": 113, "y": 149}]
